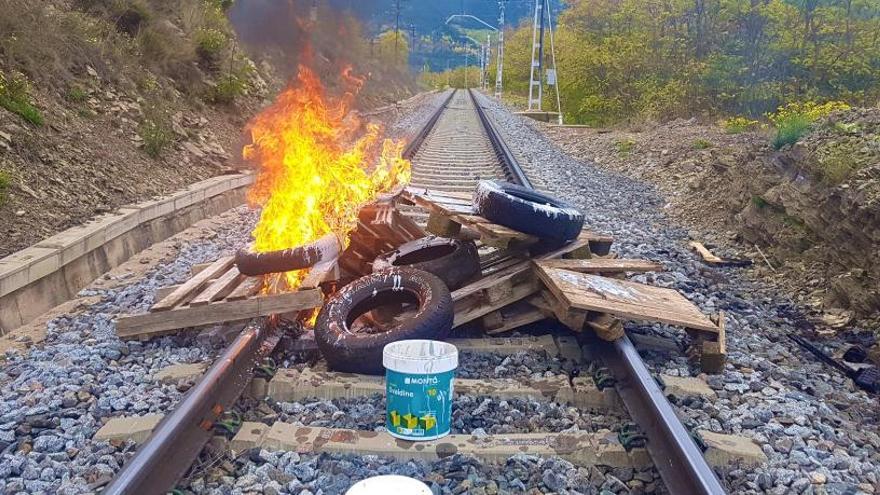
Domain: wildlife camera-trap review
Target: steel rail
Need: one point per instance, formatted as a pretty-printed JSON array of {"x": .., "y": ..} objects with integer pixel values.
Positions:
[
  {"x": 677, "y": 458},
  {"x": 176, "y": 441},
  {"x": 679, "y": 461}
]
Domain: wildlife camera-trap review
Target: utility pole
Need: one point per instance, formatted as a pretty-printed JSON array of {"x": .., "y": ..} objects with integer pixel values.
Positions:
[
  {"x": 412, "y": 29},
  {"x": 466, "y": 53},
  {"x": 487, "y": 58},
  {"x": 396, "y": 27},
  {"x": 481, "y": 55},
  {"x": 499, "y": 70}
]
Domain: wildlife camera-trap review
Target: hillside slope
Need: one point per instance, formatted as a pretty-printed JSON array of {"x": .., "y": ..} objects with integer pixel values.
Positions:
[{"x": 110, "y": 102}]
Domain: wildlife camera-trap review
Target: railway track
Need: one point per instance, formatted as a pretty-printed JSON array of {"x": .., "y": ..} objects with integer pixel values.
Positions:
[
  {"x": 457, "y": 152},
  {"x": 458, "y": 147}
]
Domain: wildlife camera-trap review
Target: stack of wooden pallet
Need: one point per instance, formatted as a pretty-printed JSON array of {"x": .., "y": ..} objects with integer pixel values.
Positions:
[{"x": 579, "y": 284}]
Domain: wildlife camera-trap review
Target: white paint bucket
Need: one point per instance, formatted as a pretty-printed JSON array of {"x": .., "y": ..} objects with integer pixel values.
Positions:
[
  {"x": 418, "y": 388},
  {"x": 391, "y": 484}
]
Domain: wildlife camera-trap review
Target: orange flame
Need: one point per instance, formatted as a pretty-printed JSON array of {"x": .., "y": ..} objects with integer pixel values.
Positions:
[{"x": 314, "y": 172}]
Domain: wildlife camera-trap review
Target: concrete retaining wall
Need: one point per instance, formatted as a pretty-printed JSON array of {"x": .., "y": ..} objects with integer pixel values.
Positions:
[{"x": 36, "y": 279}]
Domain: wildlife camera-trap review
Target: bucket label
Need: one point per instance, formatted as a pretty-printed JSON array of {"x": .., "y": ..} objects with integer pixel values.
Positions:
[{"x": 419, "y": 406}]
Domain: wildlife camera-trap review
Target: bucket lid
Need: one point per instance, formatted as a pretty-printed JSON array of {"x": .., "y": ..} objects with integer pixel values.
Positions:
[
  {"x": 420, "y": 356},
  {"x": 389, "y": 484}
]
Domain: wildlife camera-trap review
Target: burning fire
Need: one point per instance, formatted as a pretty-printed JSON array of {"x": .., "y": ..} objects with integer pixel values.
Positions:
[{"x": 315, "y": 170}]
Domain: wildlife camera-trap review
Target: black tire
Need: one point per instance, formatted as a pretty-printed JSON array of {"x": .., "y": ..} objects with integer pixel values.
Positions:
[
  {"x": 360, "y": 352},
  {"x": 286, "y": 260},
  {"x": 528, "y": 211},
  {"x": 454, "y": 261}
]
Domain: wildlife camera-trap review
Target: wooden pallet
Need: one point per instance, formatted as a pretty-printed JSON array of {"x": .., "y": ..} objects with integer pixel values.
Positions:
[
  {"x": 218, "y": 294},
  {"x": 448, "y": 213},
  {"x": 514, "y": 281},
  {"x": 624, "y": 299},
  {"x": 381, "y": 228},
  {"x": 580, "y": 300},
  {"x": 452, "y": 215}
]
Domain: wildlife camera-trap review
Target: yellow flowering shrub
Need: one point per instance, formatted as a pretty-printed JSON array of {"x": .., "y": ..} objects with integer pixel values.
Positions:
[
  {"x": 792, "y": 121},
  {"x": 738, "y": 125}
]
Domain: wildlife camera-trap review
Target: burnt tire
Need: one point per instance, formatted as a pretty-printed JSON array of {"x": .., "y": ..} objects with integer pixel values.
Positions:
[
  {"x": 361, "y": 352},
  {"x": 550, "y": 219},
  {"x": 454, "y": 261},
  {"x": 253, "y": 264}
]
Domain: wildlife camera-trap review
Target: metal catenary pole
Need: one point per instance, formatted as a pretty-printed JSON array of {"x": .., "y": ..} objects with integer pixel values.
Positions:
[
  {"x": 487, "y": 59},
  {"x": 499, "y": 71},
  {"x": 536, "y": 76}
]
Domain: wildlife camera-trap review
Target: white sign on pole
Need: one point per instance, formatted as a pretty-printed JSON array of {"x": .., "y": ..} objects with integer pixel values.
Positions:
[{"x": 551, "y": 77}]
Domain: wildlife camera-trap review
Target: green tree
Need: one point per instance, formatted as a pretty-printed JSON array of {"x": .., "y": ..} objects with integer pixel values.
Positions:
[
  {"x": 392, "y": 48},
  {"x": 637, "y": 59}
]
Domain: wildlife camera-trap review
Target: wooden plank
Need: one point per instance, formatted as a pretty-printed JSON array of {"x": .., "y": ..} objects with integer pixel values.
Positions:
[
  {"x": 564, "y": 250},
  {"x": 366, "y": 247},
  {"x": 488, "y": 282},
  {"x": 382, "y": 223},
  {"x": 246, "y": 289},
  {"x": 501, "y": 265},
  {"x": 450, "y": 208},
  {"x": 490, "y": 256},
  {"x": 470, "y": 309},
  {"x": 408, "y": 225},
  {"x": 606, "y": 326},
  {"x": 470, "y": 219},
  {"x": 510, "y": 284},
  {"x": 574, "y": 319},
  {"x": 601, "y": 265},
  {"x": 433, "y": 196},
  {"x": 589, "y": 235},
  {"x": 542, "y": 304},
  {"x": 492, "y": 234},
  {"x": 511, "y": 318},
  {"x": 320, "y": 273},
  {"x": 441, "y": 224},
  {"x": 353, "y": 263},
  {"x": 627, "y": 300},
  {"x": 197, "y": 268},
  {"x": 162, "y": 292},
  {"x": 463, "y": 196},
  {"x": 194, "y": 284},
  {"x": 156, "y": 323},
  {"x": 713, "y": 355},
  {"x": 501, "y": 236},
  {"x": 219, "y": 288},
  {"x": 707, "y": 255}
]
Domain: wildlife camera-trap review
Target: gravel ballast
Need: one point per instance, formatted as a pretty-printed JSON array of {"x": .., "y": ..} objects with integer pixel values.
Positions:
[
  {"x": 818, "y": 430},
  {"x": 56, "y": 395}
]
